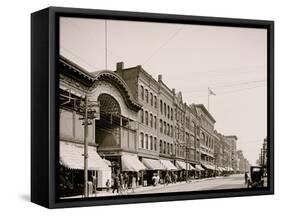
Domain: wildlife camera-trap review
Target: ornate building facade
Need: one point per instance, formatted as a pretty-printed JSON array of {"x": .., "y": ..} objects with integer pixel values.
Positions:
[{"x": 144, "y": 127}]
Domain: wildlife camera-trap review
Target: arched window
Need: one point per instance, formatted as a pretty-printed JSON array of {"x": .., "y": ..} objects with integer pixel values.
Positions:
[
  {"x": 142, "y": 116},
  {"x": 168, "y": 114},
  {"x": 146, "y": 117},
  {"x": 142, "y": 93},
  {"x": 151, "y": 99},
  {"x": 161, "y": 125},
  {"x": 146, "y": 141},
  {"x": 141, "y": 140},
  {"x": 146, "y": 95},
  {"x": 151, "y": 120}
]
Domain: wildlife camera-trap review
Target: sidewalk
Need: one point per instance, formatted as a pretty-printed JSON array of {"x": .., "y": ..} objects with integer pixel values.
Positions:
[{"x": 148, "y": 188}]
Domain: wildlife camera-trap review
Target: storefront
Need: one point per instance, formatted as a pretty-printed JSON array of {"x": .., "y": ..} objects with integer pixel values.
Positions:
[
  {"x": 185, "y": 168},
  {"x": 209, "y": 170},
  {"x": 154, "y": 167},
  {"x": 72, "y": 168},
  {"x": 131, "y": 166}
]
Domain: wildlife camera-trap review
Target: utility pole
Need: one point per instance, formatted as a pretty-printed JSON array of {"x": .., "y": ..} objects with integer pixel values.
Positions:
[
  {"x": 91, "y": 113},
  {"x": 86, "y": 148}
]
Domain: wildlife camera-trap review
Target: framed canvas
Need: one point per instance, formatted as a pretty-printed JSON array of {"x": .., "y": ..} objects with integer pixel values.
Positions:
[{"x": 139, "y": 107}]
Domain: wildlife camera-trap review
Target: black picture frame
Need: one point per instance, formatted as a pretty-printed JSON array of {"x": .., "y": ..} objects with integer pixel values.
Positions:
[{"x": 44, "y": 87}]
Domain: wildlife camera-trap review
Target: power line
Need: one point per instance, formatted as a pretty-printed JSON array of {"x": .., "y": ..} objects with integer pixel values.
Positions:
[
  {"x": 78, "y": 57},
  {"x": 235, "y": 84},
  {"x": 227, "y": 85},
  {"x": 105, "y": 36},
  {"x": 164, "y": 44},
  {"x": 226, "y": 92}
]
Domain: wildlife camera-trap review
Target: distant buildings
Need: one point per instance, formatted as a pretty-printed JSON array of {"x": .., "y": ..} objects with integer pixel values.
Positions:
[
  {"x": 144, "y": 128},
  {"x": 263, "y": 155},
  {"x": 242, "y": 162}
]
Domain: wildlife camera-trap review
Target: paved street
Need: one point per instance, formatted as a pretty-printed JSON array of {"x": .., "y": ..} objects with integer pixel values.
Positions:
[
  {"x": 230, "y": 182},
  {"x": 233, "y": 181}
]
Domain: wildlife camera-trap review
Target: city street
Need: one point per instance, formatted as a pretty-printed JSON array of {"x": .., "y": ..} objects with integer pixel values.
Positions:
[{"x": 229, "y": 182}]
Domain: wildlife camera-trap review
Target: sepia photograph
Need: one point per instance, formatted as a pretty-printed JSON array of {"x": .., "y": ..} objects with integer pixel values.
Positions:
[{"x": 154, "y": 107}]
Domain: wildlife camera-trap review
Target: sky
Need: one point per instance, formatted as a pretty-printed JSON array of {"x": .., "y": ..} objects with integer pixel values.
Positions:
[{"x": 231, "y": 61}]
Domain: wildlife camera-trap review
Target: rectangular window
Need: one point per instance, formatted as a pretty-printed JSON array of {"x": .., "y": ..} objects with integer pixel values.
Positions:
[{"x": 160, "y": 146}]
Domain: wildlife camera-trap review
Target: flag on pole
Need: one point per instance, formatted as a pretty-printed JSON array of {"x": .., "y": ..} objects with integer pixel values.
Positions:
[{"x": 211, "y": 92}]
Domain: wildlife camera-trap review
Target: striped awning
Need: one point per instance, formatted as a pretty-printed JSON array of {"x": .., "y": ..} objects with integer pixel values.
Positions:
[
  {"x": 168, "y": 164},
  {"x": 71, "y": 156},
  {"x": 208, "y": 166},
  {"x": 152, "y": 164},
  {"x": 198, "y": 167},
  {"x": 131, "y": 163},
  {"x": 183, "y": 165}
]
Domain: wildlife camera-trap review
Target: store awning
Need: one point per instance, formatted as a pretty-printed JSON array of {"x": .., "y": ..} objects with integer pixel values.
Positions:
[
  {"x": 131, "y": 163},
  {"x": 152, "y": 164},
  {"x": 168, "y": 165},
  {"x": 183, "y": 165},
  {"x": 198, "y": 167},
  {"x": 71, "y": 156},
  {"x": 208, "y": 166},
  {"x": 107, "y": 162}
]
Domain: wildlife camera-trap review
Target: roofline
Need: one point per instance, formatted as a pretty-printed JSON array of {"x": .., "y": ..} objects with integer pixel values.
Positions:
[
  {"x": 206, "y": 111},
  {"x": 232, "y": 136}
]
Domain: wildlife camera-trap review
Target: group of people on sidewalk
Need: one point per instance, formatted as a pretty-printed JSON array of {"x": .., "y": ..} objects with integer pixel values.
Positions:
[{"x": 120, "y": 183}]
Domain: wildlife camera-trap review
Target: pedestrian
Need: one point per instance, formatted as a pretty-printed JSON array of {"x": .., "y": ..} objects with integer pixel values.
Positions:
[
  {"x": 126, "y": 181},
  {"x": 176, "y": 178},
  {"x": 107, "y": 184},
  {"x": 116, "y": 184},
  {"x": 246, "y": 177},
  {"x": 157, "y": 179},
  {"x": 121, "y": 178},
  {"x": 134, "y": 184},
  {"x": 154, "y": 179},
  {"x": 94, "y": 184},
  {"x": 167, "y": 179}
]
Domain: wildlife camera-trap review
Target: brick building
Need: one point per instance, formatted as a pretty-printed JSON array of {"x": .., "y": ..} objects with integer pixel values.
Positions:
[{"x": 144, "y": 127}]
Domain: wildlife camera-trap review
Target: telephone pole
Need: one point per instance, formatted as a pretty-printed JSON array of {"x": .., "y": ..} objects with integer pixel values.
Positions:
[{"x": 86, "y": 148}]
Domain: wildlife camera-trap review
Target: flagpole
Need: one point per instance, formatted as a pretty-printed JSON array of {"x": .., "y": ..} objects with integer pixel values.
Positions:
[{"x": 208, "y": 99}]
